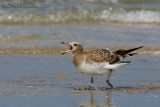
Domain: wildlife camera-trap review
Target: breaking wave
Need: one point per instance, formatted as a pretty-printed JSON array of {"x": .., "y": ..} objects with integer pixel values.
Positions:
[{"x": 76, "y": 15}]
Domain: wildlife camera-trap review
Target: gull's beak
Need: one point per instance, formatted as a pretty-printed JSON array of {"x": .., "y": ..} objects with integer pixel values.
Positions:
[{"x": 65, "y": 51}]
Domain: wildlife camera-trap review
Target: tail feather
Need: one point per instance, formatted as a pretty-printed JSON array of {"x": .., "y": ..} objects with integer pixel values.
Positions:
[
  {"x": 127, "y": 62},
  {"x": 123, "y": 52},
  {"x": 131, "y": 54}
]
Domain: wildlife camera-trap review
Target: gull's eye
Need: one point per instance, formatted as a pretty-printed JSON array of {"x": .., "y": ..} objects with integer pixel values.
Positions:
[{"x": 75, "y": 44}]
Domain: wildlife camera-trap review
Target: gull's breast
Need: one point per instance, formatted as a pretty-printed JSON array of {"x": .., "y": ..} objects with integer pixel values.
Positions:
[{"x": 92, "y": 69}]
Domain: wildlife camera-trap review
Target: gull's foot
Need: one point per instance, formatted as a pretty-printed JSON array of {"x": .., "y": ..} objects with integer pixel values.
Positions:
[
  {"x": 109, "y": 84},
  {"x": 90, "y": 87}
]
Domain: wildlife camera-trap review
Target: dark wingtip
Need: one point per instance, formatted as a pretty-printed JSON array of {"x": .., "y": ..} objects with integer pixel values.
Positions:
[
  {"x": 130, "y": 50},
  {"x": 138, "y": 48},
  {"x": 141, "y": 46}
]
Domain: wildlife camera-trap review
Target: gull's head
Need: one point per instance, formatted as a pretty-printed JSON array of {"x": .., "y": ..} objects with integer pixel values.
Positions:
[{"x": 73, "y": 47}]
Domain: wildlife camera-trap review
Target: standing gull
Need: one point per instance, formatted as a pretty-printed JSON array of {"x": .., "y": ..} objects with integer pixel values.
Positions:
[{"x": 99, "y": 61}]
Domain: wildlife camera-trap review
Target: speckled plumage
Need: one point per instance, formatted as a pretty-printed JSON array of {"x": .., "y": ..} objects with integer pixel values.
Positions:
[{"x": 102, "y": 55}]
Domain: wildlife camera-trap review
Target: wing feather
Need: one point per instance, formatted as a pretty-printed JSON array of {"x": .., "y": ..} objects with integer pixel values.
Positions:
[{"x": 102, "y": 55}]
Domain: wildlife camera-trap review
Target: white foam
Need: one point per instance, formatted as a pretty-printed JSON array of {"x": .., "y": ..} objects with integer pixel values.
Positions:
[{"x": 79, "y": 14}]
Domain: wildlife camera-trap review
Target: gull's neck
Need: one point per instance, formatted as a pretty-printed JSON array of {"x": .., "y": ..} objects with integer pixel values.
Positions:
[
  {"x": 80, "y": 51},
  {"x": 78, "y": 57}
]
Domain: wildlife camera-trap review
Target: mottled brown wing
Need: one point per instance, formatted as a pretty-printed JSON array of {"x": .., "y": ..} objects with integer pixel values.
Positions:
[{"x": 102, "y": 55}]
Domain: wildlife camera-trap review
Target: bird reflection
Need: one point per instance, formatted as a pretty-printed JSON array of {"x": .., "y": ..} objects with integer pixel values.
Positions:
[{"x": 96, "y": 100}]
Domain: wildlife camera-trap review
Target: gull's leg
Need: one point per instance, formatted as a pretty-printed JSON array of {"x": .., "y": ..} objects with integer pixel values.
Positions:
[
  {"x": 107, "y": 80},
  {"x": 92, "y": 81}
]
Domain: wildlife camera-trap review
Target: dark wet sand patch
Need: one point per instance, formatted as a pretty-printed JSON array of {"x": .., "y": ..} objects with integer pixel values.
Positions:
[
  {"x": 48, "y": 50},
  {"x": 128, "y": 90}
]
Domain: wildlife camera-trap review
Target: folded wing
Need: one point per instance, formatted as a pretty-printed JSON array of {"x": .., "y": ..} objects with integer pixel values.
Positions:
[{"x": 104, "y": 55}]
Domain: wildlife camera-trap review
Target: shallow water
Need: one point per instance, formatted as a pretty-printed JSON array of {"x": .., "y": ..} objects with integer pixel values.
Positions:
[
  {"x": 49, "y": 80},
  {"x": 95, "y": 35}
]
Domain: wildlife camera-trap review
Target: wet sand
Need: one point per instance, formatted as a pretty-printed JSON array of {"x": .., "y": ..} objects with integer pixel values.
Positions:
[{"x": 50, "y": 80}]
